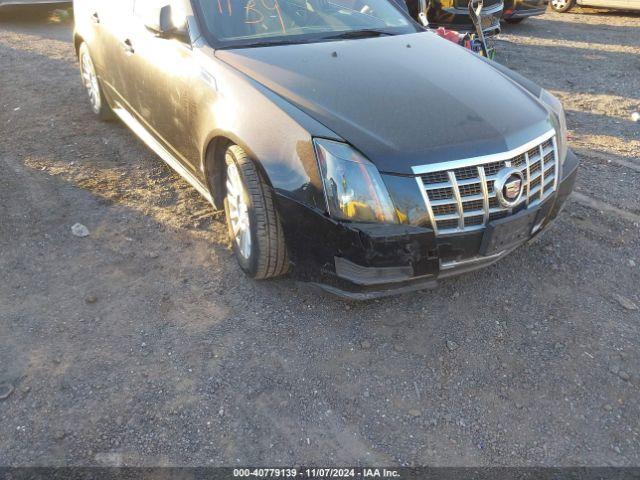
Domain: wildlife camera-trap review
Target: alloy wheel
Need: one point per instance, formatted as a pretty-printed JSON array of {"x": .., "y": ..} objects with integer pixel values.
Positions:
[
  {"x": 238, "y": 211},
  {"x": 559, "y": 4},
  {"x": 90, "y": 80}
]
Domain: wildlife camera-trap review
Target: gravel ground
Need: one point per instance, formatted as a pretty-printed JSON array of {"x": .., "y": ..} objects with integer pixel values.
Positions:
[{"x": 144, "y": 344}]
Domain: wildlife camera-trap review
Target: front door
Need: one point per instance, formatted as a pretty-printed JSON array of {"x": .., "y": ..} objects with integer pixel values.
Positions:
[{"x": 163, "y": 72}]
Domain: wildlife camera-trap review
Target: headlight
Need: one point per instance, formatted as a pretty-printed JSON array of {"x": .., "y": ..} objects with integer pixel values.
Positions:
[
  {"x": 561, "y": 122},
  {"x": 352, "y": 185}
]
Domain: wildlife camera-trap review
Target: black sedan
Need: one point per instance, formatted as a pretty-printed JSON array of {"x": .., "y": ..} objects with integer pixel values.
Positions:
[
  {"x": 345, "y": 144},
  {"x": 454, "y": 14}
]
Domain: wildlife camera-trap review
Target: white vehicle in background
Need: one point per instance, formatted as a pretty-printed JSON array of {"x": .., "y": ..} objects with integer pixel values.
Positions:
[{"x": 566, "y": 5}]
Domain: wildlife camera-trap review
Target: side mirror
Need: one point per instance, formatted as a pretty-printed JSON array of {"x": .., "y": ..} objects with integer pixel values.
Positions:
[{"x": 165, "y": 26}]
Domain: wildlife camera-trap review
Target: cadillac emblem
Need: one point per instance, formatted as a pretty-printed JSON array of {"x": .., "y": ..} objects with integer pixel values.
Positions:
[{"x": 509, "y": 186}]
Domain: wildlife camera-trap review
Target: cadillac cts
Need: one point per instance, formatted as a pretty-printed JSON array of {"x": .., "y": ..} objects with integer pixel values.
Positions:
[{"x": 344, "y": 142}]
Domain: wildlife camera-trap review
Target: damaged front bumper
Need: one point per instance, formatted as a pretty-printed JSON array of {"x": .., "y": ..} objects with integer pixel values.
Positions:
[{"x": 365, "y": 261}]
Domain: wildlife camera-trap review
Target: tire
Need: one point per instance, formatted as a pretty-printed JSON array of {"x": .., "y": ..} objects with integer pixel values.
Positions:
[
  {"x": 254, "y": 225},
  {"x": 97, "y": 100},
  {"x": 562, "y": 6},
  {"x": 513, "y": 20}
]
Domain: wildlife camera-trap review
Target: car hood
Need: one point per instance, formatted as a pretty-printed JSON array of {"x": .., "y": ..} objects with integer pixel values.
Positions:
[{"x": 403, "y": 100}]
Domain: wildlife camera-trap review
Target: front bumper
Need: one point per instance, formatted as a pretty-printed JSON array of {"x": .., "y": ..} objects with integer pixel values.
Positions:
[
  {"x": 530, "y": 12},
  {"x": 364, "y": 261},
  {"x": 524, "y": 8}
]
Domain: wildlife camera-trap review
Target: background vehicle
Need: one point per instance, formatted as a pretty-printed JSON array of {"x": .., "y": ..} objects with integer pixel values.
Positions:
[
  {"x": 566, "y": 5},
  {"x": 516, "y": 11},
  {"x": 454, "y": 14}
]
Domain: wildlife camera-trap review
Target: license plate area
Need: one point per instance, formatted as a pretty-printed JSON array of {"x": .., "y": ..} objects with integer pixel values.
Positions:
[{"x": 509, "y": 232}]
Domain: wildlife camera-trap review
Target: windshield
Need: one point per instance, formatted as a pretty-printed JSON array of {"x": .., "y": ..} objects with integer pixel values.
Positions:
[{"x": 264, "y": 22}]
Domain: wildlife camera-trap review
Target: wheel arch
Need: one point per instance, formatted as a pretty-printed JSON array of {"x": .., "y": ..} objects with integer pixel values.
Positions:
[
  {"x": 77, "y": 41},
  {"x": 213, "y": 163}
]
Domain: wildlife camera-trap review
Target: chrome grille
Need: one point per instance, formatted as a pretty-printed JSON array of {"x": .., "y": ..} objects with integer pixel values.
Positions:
[{"x": 460, "y": 197}]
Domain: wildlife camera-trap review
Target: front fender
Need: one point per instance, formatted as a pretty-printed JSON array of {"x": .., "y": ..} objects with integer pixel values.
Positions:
[{"x": 274, "y": 133}]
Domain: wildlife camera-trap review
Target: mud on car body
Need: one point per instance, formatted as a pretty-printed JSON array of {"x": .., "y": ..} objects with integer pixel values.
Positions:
[{"x": 346, "y": 144}]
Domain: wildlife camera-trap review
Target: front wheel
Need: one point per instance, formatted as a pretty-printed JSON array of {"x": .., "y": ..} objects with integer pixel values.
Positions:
[
  {"x": 252, "y": 218},
  {"x": 98, "y": 102},
  {"x": 562, "y": 5}
]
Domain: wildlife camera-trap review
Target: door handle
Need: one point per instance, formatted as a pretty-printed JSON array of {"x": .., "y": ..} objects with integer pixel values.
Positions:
[
  {"x": 95, "y": 18},
  {"x": 128, "y": 46}
]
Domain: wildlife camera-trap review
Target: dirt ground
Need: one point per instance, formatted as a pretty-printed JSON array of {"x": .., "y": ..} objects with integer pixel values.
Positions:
[{"x": 143, "y": 343}]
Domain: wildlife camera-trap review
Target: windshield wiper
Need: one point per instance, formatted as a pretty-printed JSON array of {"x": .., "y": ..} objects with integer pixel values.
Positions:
[
  {"x": 265, "y": 44},
  {"x": 365, "y": 33}
]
